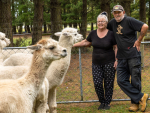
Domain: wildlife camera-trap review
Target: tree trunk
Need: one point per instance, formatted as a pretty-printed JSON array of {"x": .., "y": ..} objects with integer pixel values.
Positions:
[
  {"x": 13, "y": 18},
  {"x": 28, "y": 29},
  {"x": 38, "y": 20},
  {"x": 143, "y": 11},
  {"x": 84, "y": 19},
  {"x": 6, "y": 19},
  {"x": 105, "y": 6},
  {"x": 56, "y": 22},
  {"x": 149, "y": 16},
  {"x": 92, "y": 27},
  {"x": 45, "y": 28},
  {"x": 126, "y": 5}
]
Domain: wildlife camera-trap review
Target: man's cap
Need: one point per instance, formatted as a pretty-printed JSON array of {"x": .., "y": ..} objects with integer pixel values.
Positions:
[{"x": 118, "y": 8}]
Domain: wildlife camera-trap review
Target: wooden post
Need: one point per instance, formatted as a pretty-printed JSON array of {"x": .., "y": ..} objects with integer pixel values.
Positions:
[{"x": 142, "y": 51}]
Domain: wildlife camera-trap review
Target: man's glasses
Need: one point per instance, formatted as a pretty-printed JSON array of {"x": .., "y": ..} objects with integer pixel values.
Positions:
[{"x": 101, "y": 22}]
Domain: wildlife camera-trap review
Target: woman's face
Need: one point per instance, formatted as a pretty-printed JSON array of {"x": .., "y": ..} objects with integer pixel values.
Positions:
[{"x": 101, "y": 23}]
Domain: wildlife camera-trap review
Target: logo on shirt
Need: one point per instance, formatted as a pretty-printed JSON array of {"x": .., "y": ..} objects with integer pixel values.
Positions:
[{"x": 119, "y": 29}]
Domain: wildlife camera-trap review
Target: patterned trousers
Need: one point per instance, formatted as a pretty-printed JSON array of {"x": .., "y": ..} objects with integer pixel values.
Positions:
[{"x": 103, "y": 78}]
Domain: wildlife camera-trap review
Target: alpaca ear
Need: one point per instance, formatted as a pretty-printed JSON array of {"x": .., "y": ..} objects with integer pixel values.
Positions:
[
  {"x": 35, "y": 47},
  {"x": 57, "y": 33}
]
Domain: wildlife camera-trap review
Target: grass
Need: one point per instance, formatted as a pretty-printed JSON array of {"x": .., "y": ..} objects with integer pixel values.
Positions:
[
  {"x": 116, "y": 107},
  {"x": 70, "y": 89}
]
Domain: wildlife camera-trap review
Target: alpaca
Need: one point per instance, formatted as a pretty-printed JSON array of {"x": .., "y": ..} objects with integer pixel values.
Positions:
[
  {"x": 15, "y": 72},
  {"x": 4, "y": 54},
  {"x": 18, "y": 59},
  {"x": 58, "y": 69},
  {"x": 3, "y": 43},
  {"x": 17, "y": 96},
  {"x": 67, "y": 38}
]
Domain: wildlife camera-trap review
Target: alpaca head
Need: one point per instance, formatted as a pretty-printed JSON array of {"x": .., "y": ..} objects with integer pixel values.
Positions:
[
  {"x": 71, "y": 34},
  {"x": 49, "y": 49},
  {"x": 3, "y": 40}
]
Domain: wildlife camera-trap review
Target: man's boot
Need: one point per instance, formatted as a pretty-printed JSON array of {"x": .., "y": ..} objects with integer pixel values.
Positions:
[
  {"x": 134, "y": 107},
  {"x": 143, "y": 102}
]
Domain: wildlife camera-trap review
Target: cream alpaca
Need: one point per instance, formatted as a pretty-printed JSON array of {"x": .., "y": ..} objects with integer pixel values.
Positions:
[
  {"x": 57, "y": 70},
  {"x": 17, "y": 96},
  {"x": 3, "y": 43}
]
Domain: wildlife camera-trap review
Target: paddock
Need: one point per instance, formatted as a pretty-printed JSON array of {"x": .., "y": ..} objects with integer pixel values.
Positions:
[{"x": 78, "y": 83}]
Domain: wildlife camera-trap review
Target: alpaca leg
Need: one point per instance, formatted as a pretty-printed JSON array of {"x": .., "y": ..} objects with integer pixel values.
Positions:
[
  {"x": 52, "y": 100},
  {"x": 41, "y": 107}
]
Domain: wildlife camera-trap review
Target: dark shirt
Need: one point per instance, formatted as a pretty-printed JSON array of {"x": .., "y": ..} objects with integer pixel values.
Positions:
[
  {"x": 126, "y": 34},
  {"x": 103, "y": 52}
]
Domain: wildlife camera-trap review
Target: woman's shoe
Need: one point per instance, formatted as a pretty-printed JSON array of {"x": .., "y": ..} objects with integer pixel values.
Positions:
[
  {"x": 101, "y": 106},
  {"x": 107, "y": 107}
]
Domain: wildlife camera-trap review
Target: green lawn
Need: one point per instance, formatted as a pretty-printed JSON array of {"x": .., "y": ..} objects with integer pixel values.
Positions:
[{"x": 116, "y": 107}]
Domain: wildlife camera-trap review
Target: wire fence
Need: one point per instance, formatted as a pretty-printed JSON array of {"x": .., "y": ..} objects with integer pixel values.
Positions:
[{"x": 78, "y": 86}]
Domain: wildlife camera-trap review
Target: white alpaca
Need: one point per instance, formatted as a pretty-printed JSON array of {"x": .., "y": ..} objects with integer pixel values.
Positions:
[
  {"x": 18, "y": 59},
  {"x": 67, "y": 38},
  {"x": 3, "y": 43},
  {"x": 17, "y": 96},
  {"x": 15, "y": 72},
  {"x": 6, "y": 53}
]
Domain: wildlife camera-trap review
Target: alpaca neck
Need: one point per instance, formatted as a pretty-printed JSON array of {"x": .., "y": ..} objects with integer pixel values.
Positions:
[
  {"x": 37, "y": 71},
  {"x": 1, "y": 56},
  {"x": 63, "y": 41}
]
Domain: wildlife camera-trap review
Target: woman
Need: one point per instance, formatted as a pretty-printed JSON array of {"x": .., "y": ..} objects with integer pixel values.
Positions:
[{"x": 104, "y": 60}]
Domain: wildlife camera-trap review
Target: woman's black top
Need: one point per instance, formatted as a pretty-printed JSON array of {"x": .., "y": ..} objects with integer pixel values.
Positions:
[{"x": 103, "y": 52}]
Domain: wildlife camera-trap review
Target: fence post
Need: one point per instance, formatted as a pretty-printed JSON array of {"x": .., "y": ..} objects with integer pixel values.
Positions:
[
  {"x": 142, "y": 50},
  {"x": 80, "y": 66}
]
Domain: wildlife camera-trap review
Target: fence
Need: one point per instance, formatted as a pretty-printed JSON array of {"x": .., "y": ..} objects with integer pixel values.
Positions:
[{"x": 78, "y": 84}]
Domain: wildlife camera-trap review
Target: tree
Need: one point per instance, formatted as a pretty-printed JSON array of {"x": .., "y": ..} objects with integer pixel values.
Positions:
[
  {"x": 56, "y": 22},
  {"x": 38, "y": 20},
  {"x": 6, "y": 19},
  {"x": 126, "y": 5},
  {"x": 46, "y": 15},
  {"x": 105, "y": 6},
  {"x": 149, "y": 14},
  {"x": 143, "y": 11},
  {"x": 84, "y": 19},
  {"x": 13, "y": 18}
]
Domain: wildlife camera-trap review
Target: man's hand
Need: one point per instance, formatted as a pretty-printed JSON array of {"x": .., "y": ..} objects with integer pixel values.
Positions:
[{"x": 137, "y": 45}]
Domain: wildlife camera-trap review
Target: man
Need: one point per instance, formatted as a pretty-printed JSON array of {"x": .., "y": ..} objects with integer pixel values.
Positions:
[{"x": 129, "y": 55}]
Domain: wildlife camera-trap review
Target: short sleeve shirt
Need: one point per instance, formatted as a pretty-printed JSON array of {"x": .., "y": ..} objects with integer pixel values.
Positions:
[
  {"x": 126, "y": 34},
  {"x": 103, "y": 52}
]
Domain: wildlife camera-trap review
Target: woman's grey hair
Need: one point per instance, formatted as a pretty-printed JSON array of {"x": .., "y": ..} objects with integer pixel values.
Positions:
[{"x": 103, "y": 16}]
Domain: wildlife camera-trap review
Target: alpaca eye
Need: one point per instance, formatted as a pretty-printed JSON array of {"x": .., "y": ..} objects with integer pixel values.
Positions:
[
  {"x": 51, "y": 48},
  {"x": 75, "y": 34}
]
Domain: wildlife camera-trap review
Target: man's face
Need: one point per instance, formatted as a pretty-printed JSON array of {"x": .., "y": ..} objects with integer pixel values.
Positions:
[{"x": 118, "y": 15}]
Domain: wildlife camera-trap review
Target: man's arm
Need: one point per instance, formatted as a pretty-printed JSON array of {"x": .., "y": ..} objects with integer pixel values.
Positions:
[{"x": 142, "y": 34}]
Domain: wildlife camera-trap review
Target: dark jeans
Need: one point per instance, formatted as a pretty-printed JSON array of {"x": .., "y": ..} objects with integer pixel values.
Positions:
[{"x": 125, "y": 69}]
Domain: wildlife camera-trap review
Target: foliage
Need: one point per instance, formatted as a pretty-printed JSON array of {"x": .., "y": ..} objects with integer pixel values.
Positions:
[
  {"x": 22, "y": 42},
  {"x": 71, "y": 11},
  {"x": 135, "y": 9},
  {"x": 23, "y": 12}
]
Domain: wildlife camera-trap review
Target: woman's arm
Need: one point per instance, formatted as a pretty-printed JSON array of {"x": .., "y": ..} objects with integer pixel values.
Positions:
[
  {"x": 116, "y": 60},
  {"x": 83, "y": 43}
]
